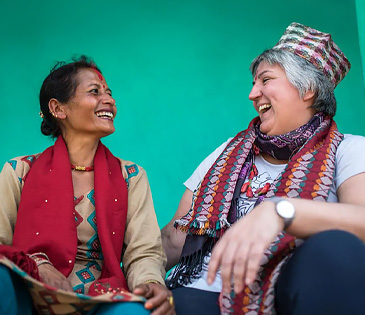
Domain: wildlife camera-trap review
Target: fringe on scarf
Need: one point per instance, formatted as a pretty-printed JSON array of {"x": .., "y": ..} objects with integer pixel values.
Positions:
[
  {"x": 190, "y": 266},
  {"x": 213, "y": 229}
]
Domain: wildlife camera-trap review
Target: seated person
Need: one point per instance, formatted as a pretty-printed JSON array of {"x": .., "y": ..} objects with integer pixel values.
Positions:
[
  {"x": 71, "y": 215},
  {"x": 275, "y": 218}
]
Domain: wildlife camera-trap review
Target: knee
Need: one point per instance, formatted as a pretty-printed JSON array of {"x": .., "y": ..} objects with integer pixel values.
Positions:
[
  {"x": 328, "y": 255},
  {"x": 334, "y": 237},
  {"x": 5, "y": 278},
  {"x": 195, "y": 301},
  {"x": 329, "y": 246},
  {"x": 127, "y": 308},
  {"x": 18, "y": 300},
  {"x": 333, "y": 261}
]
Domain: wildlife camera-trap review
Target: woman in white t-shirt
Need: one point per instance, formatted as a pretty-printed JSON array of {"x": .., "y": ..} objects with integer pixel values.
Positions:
[{"x": 276, "y": 220}]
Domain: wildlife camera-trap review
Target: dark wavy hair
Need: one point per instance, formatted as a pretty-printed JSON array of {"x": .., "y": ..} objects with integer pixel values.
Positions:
[{"x": 61, "y": 85}]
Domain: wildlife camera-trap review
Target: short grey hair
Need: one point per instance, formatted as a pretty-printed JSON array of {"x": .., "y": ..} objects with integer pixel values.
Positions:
[{"x": 303, "y": 75}]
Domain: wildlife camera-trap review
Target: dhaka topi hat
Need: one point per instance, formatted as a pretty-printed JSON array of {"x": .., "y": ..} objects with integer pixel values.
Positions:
[{"x": 316, "y": 47}]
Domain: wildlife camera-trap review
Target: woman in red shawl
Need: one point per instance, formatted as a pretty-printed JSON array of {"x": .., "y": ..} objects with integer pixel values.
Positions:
[{"x": 78, "y": 231}]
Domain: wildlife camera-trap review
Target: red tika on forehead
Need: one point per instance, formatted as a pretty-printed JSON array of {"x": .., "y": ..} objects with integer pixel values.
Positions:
[{"x": 100, "y": 76}]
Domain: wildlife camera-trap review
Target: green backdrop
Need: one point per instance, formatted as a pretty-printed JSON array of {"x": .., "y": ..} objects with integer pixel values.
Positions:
[{"x": 178, "y": 70}]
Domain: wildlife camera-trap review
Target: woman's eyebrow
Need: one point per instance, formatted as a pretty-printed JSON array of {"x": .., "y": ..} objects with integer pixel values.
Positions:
[{"x": 258, "y": 76}]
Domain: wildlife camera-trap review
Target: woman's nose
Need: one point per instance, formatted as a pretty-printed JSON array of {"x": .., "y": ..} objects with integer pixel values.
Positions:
[
  {"x": 108, "y": 99},
  {"x": 255, "y": 92}
]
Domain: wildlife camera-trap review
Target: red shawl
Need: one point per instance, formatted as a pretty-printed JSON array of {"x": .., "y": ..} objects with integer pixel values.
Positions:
[{"x": 46, "y": 220}]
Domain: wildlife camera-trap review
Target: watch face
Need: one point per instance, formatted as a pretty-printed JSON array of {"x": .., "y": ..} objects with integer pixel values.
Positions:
[{"x": 285, "y": 209}]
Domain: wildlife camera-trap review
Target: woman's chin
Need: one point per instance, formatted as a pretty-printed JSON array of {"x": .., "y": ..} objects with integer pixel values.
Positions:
[
  {"x": 265, "y": 129},
  {"x": 106, "y": 132},
  {"x": 269, "y": 130}
]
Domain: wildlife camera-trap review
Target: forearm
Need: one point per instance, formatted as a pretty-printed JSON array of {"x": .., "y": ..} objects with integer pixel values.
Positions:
[
  {"x": 312, "y": 217},
  {"x": 348, "y": 214},
  {"x": 143, "y": 261},
  {"x": 144, "y": 258},
  {"x": 144, "y": 270},
  {"x": 172, "y": 241}
]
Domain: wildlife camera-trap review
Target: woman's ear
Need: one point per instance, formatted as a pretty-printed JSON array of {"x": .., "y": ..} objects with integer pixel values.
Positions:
[
  {"x": 56, "y": 109},
  {"x": 309, "y": 96}
]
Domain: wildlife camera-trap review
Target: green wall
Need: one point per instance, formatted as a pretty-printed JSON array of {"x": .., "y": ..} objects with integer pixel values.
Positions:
[
  {"x": 360, "y": 11},
  {"x": 178, "y": 70}
]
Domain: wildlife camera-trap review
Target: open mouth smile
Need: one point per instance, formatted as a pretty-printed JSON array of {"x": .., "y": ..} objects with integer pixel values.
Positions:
[
  {"x": 264, "y": 108},
  {"x": 105, "y": 115}
]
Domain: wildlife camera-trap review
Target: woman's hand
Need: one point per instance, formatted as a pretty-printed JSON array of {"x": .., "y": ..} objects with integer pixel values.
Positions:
[
  {"x": 51, "y": 276},
  {"x": 239, "y": 252},
  {"x": 158, "y": 298}
]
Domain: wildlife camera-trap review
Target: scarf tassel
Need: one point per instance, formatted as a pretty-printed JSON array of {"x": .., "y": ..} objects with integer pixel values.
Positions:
[
  {"x": 190, "y": 266},
  {"x": 214, "y": 229}
]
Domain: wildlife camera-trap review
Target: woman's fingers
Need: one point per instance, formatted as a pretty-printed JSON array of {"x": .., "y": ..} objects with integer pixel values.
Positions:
[
  {"x": 51, "y": 276},
  {"x": 159, "y": 298},
  {"x": 239, "y": 252},
  {"x": 233, "y": 262},
  {"x": 240, "y": 268},
  {"x": 253, "y": 262},
  {"x": 143, "y": 290},
  {"x": 164, "y": 306}
]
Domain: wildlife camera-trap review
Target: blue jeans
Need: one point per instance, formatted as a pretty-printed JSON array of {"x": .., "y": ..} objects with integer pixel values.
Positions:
[
  {"x": 125, "y": 308},
  {"x": 16, "y": 300},
  {"x": 325, "y": 275},
  {"x": 14, "y": 296},
  {"x": 189, "y": 301}
]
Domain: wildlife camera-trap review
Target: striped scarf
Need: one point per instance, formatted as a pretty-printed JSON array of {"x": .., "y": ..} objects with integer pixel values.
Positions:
[{"x": 308, "y": 174}]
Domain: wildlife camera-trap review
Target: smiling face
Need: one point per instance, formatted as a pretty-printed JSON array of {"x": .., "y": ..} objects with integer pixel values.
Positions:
[
  {"x": 277, "y": 102},
  {"x": 91, "y": 111}
]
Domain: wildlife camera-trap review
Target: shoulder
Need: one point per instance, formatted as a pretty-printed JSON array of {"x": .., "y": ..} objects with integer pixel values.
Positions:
[
  {"x": 131, "y": 171},
  {"x": 351, "y": 144},
  {"x": 349, "y": 158},
  {"x": 211, "y": 158},
  {"x": 192, "y": 182},
  {"x": 350, "y": 140},
  {"x": 21, "y": 165}
]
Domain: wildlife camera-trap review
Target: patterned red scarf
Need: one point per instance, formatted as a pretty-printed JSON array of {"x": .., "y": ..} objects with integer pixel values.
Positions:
[
  {"x": 308, "y": 174},
  {"x": 46, "y": 220}
]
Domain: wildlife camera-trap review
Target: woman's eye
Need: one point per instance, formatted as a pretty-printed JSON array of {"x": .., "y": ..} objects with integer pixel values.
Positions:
[
  {"x": 264, "y": 80},
  {"x": 94, "y": 91}
]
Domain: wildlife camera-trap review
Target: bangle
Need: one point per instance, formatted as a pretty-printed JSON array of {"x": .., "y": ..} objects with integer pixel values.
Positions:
[
  {"x": 39, "y": 254},
  {"x": 43, "y": 261},
  {"x": 151, "y": 281},
  {"x": 40, "y": 259}
]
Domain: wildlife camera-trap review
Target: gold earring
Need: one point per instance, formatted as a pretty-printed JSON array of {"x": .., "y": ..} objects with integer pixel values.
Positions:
[
  {"x": 53, "y": 114},
  {"x": 41, "y": 114}
]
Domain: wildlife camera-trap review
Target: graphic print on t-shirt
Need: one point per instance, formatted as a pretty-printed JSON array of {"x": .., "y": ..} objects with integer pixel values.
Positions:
[{"x": 246, "y": 204}]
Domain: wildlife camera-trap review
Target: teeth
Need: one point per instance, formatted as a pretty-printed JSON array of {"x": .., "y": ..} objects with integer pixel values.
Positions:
[
  {"x": 105, "y": 114},
  {"x": 264, "y": 107}
]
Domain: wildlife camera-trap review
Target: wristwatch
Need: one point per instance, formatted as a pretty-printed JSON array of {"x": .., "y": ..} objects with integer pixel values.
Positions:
[{"x": 285, "y": 209}]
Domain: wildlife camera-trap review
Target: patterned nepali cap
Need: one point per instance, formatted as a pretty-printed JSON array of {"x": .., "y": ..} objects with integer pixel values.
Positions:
[{"x": 316, "y": 47}]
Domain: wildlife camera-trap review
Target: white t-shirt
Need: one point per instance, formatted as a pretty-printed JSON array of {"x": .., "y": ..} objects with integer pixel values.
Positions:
[{"x": 349, "y": 162}]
